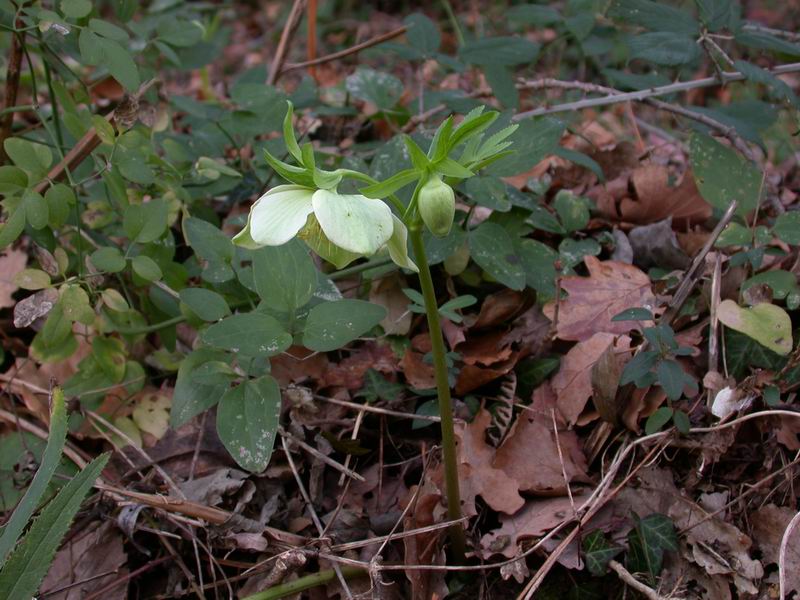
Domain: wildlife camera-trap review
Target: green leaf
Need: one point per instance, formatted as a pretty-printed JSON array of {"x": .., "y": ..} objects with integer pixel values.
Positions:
[
  {"x": 108, "y": 259},
  {"x": 120, "y": 64},
  {"x": 332, "y": 325},
  {"x": 634, "y": 314},
  {"x": 33, "y": 495},
  {"x": 247, "y": 421},
  {"x": 381, "y": 89},
  {"x": 722, "y": 176},
  {"x": 501, "y": 80},
  {"x": 638, "y": 367},
  {"x": 77, "y": 306},
  {"x": 657, "y": 420},
  {"x": 91, "y": 46},
  {"x": 33, "y": 158},
  {"x": 288, "y": 134},
  {"x": 533, "y": 14},
  {"x": 32, "y": 279},
  {"x": 787, "y": 228},
  {"x": 657, "y": 16},
  {"x": 719, "y": 14},
  {"x": 423, "y": 34},
  {"x": 191, "y": 397},
  {"x": 146, "y": 268},
  {"x": 598, "y": 552},
  {"x": 37, "y": 212},
  {"x": 76, "y": 9},
  {"x": 538, "y": 262},
  {"x": 252, "y": 334},
  {"x": 767, "y": 41},
  {"x": 391, "y": 185},
  {"x": 499, "y": 51},
  {"x": 532, "y": 142},
  {"x": 60, "y": 199},
  {"x": 767, "y": 324},
  {"x": 664, "y": 48},
  {"x": 206, "y": 304},
  {"x": 652, "y": 536},
  {"x": 671, "y": 378},
  {"x": 285, "y": 276},
  {"x": 108, "y": 30},
  {"x": 572, "y": 211},
  {"x": 12, "y": 179},
  {"x": 27, "y": 566},
  {"x": 681, "y": 421},
  {"x": 418, "y": 158},
  {"x": 145, "y": 223},
  {"x": 12, "y": 228},
  {"x": 782, "y": 283},
  {"x": 492, "y": 248}
]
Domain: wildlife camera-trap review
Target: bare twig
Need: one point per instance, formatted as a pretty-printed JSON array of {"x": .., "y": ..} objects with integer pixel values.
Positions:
[
  {"x": 378, "y": 39},
  {"x": 319, "y": 455},
  {"x": 630, "y": 580},
  {"x": 292, "y": 21},
  {"x": 377, "y": 410}
]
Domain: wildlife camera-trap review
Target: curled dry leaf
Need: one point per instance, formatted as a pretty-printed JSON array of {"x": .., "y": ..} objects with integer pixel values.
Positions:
[
  {"x": 388, "y": 292},
  {"x": 769, "y": 525},
  {"x": 419, "y": 374},
  {"x": 593, "y": 301},
  {"x": 573, "y": 382},
  {"x": 34, "y": 307}
]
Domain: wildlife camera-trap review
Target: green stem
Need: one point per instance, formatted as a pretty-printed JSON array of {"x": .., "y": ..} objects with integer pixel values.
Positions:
[
  {"x": 372, "y": 263},
  {"x": 304, "y": 583},
  {"x": 457, "y": 538}
]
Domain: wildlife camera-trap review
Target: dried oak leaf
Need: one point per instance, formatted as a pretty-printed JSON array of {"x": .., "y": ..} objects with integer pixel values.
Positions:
[
  {"x": 500, "y": 308},
  {"x": 423, "y": 549},
  {"x": 530, "y": 453},
  {"x": 350, "y": 372},
  {"x": 593, "y": 301},
  {"x": 478, "y": 476},
  {"x": 388, "y": 292},
  {"x": 419, "y": 374},
  {"x": 573, "y": 382}
]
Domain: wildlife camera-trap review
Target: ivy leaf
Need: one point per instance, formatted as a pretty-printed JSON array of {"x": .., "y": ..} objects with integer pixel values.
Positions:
[
  {"x": 652, "y": 536},
  {"x": 332, "y": 325},
  {"x": 247, "y": 421},
  {"x": 598, "y": 552}
]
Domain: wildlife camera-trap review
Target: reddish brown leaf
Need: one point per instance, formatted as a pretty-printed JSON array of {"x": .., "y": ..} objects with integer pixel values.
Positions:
[
  {"x": 573, "y": 382},
  {"x": 593, "y": 301},
  {"x": 477, "y": 474},
  {"x": 530, "y": 453},
  {"x": 11, "y": 263},
  {"x": 418, "y": 373}
]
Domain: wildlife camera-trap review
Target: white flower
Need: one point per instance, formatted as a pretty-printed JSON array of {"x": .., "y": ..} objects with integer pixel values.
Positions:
[{"x": 339, "y": 227}]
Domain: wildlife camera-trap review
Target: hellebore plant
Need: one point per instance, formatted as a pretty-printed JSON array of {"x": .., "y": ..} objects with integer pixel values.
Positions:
[{"x": 341, "y": 228}]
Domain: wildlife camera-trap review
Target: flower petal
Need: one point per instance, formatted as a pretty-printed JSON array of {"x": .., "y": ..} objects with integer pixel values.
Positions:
[
  {"x": 353, "y": 222},
  {"x": 316, "y": 239},
  {"x": 398, "y": 246},
  {"x": 279, "y": 214}
]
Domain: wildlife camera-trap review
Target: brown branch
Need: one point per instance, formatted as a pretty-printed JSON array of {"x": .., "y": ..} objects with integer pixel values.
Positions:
[
  {"x": 12, "y": 87},
  {"x": 631, "y": 581},
  {"x": 378, "y": 39},
  {"x": 292, "y": 21}
]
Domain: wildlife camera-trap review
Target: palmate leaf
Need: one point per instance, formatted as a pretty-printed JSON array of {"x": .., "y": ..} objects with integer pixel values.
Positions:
[
  {"x": 647, "y": 543},
  {"x": 28, "y": 564}
]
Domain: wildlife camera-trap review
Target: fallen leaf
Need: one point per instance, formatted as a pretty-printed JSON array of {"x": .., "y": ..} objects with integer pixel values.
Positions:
[
  {"x": 419, "y": 374},
  {"x": 573, "y": 381},
  {"x": 11, "y": 263},
  {"x": 656, "y": 245},
  {"x": 530, "y": 453},
  {"x": 478, "y": 475},
  {"x": 423, "y": 549},
  {"x": 212, "y": 489},
  {"x": 92, "y": 559},
  {"x": 500, "y": 308},
  {"x": 534, "y": 520},
  {"x": 35, "y": 306},
  {"x": 593, "y": 301},
  {"x": 349, "y": 372},
  {"x": 769, "y": 525},
  {"x": 767, "y": 324},
  {"x": 388, "y": 292},
  {"x": 656, "y": 198},
  {"x": 297, "y": 365},
  {"x": 151, "y": 413}
]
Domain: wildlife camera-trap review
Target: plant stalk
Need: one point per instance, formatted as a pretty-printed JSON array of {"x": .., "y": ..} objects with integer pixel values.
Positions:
[
  {"x": 305, "y": 583},
  {"x": 456, "y": 531}
]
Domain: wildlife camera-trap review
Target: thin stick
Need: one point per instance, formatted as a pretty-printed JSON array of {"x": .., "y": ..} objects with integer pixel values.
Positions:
[
  {"x": 311, "y": 43},
  {"x": 378, "y": 39},
  {"x": 377, "y": 410},
  {"x": 12, "y": 87},
  {"x": 782, "y": 555},
  {"x": 312, "y": 511},
  {"x": 630, "y": 580},
  {"x": 713, "y": 324},
  {"x": 319, "y": 455},
  {"x": 292, "y": 21}
]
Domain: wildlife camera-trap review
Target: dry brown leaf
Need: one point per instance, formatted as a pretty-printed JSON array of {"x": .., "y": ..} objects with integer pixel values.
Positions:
[
  {"x": 657, "y": 199},
  {"x": 478, "y": 476},
  {"x": 94, "y": 551},
  {"x": 573, "y": 382},
  {"x": 534, "y": 520},
  {"x": 11, "y": 263},
  {"x": 418, "y": 373},
  {"x": 349, "y": 372},
  {"x": 471, "y": 377},
  {"x": 297, "y": 365},
  {"x": 423, "y": 549},
  {"x": 593, "y": 301},
  {"x": 530, "y": 453},
  {"x": 500, "y": 308},
  {"x": 769, "y": 525},
  {"x": 388, "y": 292}
]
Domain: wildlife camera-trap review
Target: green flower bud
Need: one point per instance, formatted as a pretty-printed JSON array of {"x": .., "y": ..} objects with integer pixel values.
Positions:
[{"x": 437, "y": 206}]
